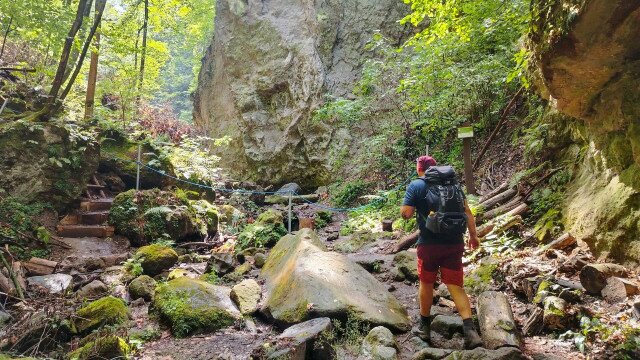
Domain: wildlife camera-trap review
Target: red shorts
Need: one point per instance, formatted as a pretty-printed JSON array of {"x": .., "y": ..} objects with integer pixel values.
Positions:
[{"x": 446, "y": 258}]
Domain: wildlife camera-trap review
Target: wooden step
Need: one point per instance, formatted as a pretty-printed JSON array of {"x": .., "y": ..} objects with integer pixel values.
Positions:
[
  {"x": 96, "y": 205},
  {"x": 94, "y": 217},
  {"x": 80, "y": 231}
]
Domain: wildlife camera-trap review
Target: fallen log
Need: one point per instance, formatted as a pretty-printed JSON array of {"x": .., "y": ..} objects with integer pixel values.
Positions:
[
  {"x": 534, "y": 323},
  {"x": 497, "y": 326},
  {"x": 556, "y": 315},
  {"x": 284, "y": 200},
  {"x": 507, "y": 223},
  {"x": 560, "y": 243},
  {"x": 618, "y": 290},
  {"x": 19, "y": 273},
  {"x": 593, "y": 277},
  {"x": 504, "y": 186},
  {"x": 520, "y": 210},
  {"x": 39, "y": 267},
  {"x": 498, "y": 199},
  {"x": 503, "y": 209},
  {"x": 573, "y": 285},
  {"x": 484, "y": 230},
  {"x": 406, "y": 242},
  {"x": 6, "y": 286}
]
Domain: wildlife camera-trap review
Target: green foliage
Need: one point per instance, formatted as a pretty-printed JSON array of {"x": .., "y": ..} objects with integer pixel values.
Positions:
[
  {"x": 345, "y": 335},
  {"x": 133, "y": 266},
  {"x": 630, "y": 348},
  {"x": 265, "y": 232},
  {"x": 19, "y": 223},
  {"x": 370, "y": 218},
  {"x": 347, "y": 193},
  {"x": 590, "y": 328},
  {"x": 210, "y": 277},
  {"x": 323, "y": 218}
]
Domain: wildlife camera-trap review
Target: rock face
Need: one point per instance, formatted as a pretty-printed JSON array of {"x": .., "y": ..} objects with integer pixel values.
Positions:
[
  {"x": 298, "y": 342},
  {"x": 303, "y": 280},
  {"x": 52, "y": 284},
  {"x": 586, "y": 53},
  {"x": 270, "y": 66},
  {"x": 246, "y": 295},
  {"x": 42, "y": 162}
]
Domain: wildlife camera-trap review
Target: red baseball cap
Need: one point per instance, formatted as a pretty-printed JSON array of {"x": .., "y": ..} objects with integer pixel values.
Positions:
[{"x": 424, "y": 162}]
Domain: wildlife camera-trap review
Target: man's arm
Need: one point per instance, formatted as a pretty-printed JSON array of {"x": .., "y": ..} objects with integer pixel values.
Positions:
[
  {"x": 474, "y": 242},
  {"x": 407, "y": 211}
]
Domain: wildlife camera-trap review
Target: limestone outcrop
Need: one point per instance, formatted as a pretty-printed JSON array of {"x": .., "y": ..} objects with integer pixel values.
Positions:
[
  {"x": 303, "y": 280},
  {"x": 587, "y": 59},
  {"x": 270, "y": 65}
]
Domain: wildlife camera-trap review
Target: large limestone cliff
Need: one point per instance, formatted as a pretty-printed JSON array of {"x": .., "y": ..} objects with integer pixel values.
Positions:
[
  {"x": 588, "y": 60},
  {"x": 270, "y": 65}
]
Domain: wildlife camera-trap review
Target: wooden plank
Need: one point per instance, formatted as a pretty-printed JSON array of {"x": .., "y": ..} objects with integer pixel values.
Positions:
[{"x": 560, "y": 243}]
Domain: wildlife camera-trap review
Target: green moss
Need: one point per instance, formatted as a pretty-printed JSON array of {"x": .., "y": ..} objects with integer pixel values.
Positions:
[
  {"x": 296, "y": 314},
  {"x": 210, "y": 277},
  {"x": 150, "y": 215},
  {"x": 631, "y": 176},
  {"x": 108, "y": 347},
  {"x": 479, "y": 280},
  {"x": 187, "y": 306},
  {"x": 156, "y": 258},
  {"x": 238, "y": 273},
  {"x": 270, "y": 216},
  {"x": 543, "y": 289},
  {"x": 105, "y": 311}
]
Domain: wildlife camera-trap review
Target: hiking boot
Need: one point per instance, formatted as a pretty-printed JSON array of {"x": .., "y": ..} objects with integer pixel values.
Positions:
[
  {"x": 471, "y": 339},
  {"x": 423, "y": 331}
]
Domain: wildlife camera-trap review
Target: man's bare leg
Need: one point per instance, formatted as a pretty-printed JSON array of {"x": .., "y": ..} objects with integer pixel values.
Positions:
[
  {"x": 425, "y": 298},
  {"x": 459, "y": 296},
  {"x": 461, "y": 299}
]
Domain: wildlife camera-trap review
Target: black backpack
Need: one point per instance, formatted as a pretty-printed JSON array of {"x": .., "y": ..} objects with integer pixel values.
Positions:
[{"x": 450, "y": 217}]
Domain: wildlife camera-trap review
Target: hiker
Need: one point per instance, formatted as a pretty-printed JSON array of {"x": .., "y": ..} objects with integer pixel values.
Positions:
[{"x": 443, "y": 216}]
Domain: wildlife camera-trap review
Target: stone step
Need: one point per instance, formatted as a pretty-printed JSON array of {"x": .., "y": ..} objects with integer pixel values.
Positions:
[
  {"x": 80, "y": 231},
  {"x": 94, "y": 217},
  {"x": 96, "y": 205}
]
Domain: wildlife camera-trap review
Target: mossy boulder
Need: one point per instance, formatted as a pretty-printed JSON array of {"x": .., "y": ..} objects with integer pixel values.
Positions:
[
  {"x": 107, "y": 347},
  {"x": 149, "y": 215},
  {"x": 119, "y": 154},
  {"x": 407, "y": 263},
  {"x": 479, "y": 279},
  {"x": 105, "y": 311},
  {"x": 192, "y": 306},
  {"x": 144, "y": 286},
  {"x": 156, "y": 258},
  {"x": 264, "y": 232},
  {"x": 303, "y": 280},
  {"x": 46, "y": 162}
]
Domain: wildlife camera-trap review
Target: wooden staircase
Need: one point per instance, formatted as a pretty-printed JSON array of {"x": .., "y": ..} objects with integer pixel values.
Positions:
[{"x": 91, "y": 219}]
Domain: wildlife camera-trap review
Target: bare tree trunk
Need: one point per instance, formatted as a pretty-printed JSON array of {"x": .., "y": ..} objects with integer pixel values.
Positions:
[
  {"x": 6, "y": 33},
  {"x": 93, "y": 67},
  {"x": 145, "y": 27},
  {"x": 100, "y": 4},
  {"x": 66, "y": 51},
  {"x": 73, "y": 58}
]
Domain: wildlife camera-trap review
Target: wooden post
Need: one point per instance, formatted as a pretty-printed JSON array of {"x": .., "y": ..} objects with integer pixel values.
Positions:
[{"x": 466, "y": 133}]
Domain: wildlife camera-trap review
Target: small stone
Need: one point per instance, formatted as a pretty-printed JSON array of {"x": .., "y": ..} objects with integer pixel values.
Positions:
[
  {"x": 52, "y": 284},
  {"x": 379, "y": 344},
  {"x": 443, "y": 291},
  {"x": 636, "y": 310},
  {"x": 93, "y": 263},
  {"x": 142, "y": 287},
  {"x": 447, "y": 325},
  {"x": 292, "y": 188},
  {"x": 406, "y": 262},
  {"x": 221, "y": 263},
  {"x": 396, "y": 274},
  {"x": 246, "y": 295},
  {"x": 391, "y": 288},
  {"x": 4, "y": 318},
  {"x": 92, "y": 290},
  {"x": 294, "y": 341},
  {"x": 259, "y": 259},
  {"x": 105, "y": 311}
]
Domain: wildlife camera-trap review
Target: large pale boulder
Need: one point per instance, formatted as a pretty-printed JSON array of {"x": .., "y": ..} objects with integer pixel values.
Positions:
[
  {"x": 270, "y": 65},
  {"x": 303, "y": 280}
]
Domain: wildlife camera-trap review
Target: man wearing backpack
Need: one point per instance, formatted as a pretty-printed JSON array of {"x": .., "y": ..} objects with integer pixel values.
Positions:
[{"x": 443, "y": 216}]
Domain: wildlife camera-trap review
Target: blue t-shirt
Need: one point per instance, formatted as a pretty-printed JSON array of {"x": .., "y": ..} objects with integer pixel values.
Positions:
[{"x": 425, "y": 200}]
